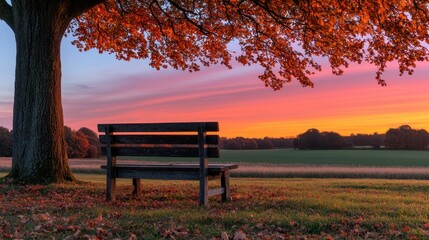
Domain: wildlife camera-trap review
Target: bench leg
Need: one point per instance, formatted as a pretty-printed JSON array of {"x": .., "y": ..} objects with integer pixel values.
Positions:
[
  {"x": 204, "y": 191},
  {"x": 224, "y": 182},
  {"x": 110, "y": 188},
  {"x": 137, "y": 187}
]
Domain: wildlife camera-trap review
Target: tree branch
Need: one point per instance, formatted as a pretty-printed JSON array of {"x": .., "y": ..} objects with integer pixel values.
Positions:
[
  {"x": 6, "y": 13},
  {"x": 78, "y": 7}
]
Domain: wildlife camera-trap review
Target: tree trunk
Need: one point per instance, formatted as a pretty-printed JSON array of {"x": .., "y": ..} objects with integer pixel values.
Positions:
[{"x": 40, "y": 154}]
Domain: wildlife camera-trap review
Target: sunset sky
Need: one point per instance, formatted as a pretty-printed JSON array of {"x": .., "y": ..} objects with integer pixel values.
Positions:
[{"x": 100, "y": 89}]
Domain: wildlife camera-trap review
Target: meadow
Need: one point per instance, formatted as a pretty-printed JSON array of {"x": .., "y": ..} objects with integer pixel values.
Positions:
[
  {"x": 260, "y": 209},
  {"x": 279, "y": 163},
  {"x": 367, "y": 158}
]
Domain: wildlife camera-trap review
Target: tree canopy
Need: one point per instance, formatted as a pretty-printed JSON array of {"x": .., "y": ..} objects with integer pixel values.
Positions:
[
  {"x": 286, "y": 37},
  {"x": 314, "y": 139},
  {"x": 405, "y": 137}
]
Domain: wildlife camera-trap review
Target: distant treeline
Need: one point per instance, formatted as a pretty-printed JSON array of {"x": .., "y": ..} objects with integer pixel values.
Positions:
[
  {"x": 312, "y": 139},
  {"x": 403, "y": 137},
  {"x": 84, "y": 142},
  {"x": 241, "y": 143}
]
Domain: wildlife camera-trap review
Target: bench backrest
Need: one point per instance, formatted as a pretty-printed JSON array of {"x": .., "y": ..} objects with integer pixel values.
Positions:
[{"x": 160, "y": 139}]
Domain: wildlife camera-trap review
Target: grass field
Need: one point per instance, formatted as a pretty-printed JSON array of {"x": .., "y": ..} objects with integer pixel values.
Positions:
[
  {"x": 331, "y": 157},
  {"x": 261, "y": 209},
  {"x": 291, "y": 163},
  {"x": 362, "y": 158},
  {"x": 381, "y": 158}
]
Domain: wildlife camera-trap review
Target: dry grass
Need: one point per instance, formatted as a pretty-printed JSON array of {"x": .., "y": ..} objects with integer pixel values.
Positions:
[{"x": 308, "y": 171}]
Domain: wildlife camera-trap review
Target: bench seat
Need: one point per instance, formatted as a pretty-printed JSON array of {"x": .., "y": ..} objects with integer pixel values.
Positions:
[
  {"x": 176, "y": 171},
  {"x": 176, "y": 167}
]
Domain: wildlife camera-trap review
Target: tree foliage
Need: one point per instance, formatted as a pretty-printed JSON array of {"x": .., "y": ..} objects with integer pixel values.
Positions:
[
  {"x": 5, "y": 142},
  {"x": 285, "y": 37},
  {"x": 94, "y": 143},
  {"x": 405, "y": 137},
  {"x": 241, "y": 143},
  {"x": 314, "y": 139},
  {"x": 374, "y": 140},
  {"x": 83, "y": 143},
  {"x": 77, "y": 143},
  {"x": 307, "y": 140}
]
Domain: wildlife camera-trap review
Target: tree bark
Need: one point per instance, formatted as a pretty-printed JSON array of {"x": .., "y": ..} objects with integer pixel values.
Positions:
[{"x": 40, "y": 154}]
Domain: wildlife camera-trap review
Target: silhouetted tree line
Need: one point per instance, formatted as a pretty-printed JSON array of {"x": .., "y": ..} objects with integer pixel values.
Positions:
[
  {"x": 82, "y": 143},
  {"x": 374, "y": 140},
  {"x": 403, "y": 137},
  {"x": 313, "y": 139},
  {"x": 241, "y": 143}
]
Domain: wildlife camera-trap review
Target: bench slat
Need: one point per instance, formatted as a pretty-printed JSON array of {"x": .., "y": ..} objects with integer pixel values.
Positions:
[
  {"x": 175, "y": 166},
  {"x": 161, "y": 127},
  {"x": 163, "y": 175},
  {"x": 158, "y": 139},
  {"x": 212, "y": 152}
]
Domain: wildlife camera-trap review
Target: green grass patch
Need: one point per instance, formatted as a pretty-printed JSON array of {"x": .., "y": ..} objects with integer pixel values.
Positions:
[
  {"x": 379, "y": 158},
  {"x": 261, "y": 209}
]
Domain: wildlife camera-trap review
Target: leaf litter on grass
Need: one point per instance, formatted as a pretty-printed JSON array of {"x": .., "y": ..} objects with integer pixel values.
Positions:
[{"x": 261, "y": 209}]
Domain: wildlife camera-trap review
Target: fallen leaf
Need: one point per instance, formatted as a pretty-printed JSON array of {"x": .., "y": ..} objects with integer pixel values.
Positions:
[
  {"x": 406, "y": 229},
  {"x": 73, "y": 228},
  {"x": 38, "y": 227},
  {"x": 239, "y": 235},
  {"x": 224, "y": 236},
  {"x": 18, "y": 234},
  {"x": 77, "y": 233}
]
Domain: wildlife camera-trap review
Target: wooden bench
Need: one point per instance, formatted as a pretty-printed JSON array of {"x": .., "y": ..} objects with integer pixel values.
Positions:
[{"x": 165, "y": 140}]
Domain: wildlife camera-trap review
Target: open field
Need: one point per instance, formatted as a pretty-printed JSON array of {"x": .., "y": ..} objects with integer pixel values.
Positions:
[
  {"x": 261, "y": 209},
  {"x": 308, "y": 164},
  {"x": 367, "y": 158},
  {"x": 364, "y": 158}
]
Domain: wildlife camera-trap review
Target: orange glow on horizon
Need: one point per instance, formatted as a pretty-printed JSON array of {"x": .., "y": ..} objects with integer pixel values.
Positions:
[{"x": 345, "y": 126}]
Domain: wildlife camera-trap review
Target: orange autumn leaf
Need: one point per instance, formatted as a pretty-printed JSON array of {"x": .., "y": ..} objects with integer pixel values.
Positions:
[
  {"x": 406, "y": 229},
  {"x": 100, "y": 217}
]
